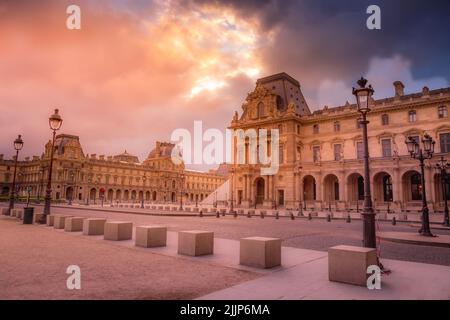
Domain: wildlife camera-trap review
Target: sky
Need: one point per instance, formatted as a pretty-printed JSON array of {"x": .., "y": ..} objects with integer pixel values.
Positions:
[{"x": 137, "y": 70}]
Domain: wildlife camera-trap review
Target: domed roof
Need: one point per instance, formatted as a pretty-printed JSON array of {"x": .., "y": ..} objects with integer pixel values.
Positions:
[{"x": 126, "y": 157}]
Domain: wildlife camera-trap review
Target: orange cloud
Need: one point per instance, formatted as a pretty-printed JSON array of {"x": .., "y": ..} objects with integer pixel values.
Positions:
[{"x": 126, "y": 78}]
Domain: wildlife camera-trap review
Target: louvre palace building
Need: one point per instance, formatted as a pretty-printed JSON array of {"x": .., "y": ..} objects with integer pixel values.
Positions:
[
  {"x": 92, "y": 179},
  {"x": 321, "y": 152},
  {"x": 320, "y": 156}
]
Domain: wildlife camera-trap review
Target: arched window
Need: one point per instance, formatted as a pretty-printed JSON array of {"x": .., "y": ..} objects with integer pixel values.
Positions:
[
  {"x": 384, "y": 119},
  {"x": 387, "y": 188},
  {"x": 360, "y": 188},
  {"x": 261, "y": 110},
  {"x": 442, "y": 112},
  {"x": 416, "y": 187}
]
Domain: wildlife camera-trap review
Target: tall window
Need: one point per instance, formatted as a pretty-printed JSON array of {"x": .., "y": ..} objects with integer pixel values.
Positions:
[
  {"x": 281, "y": 156},
  {"x": 445, "y": 142},
  {"x": 386, "y": 147},
  {"x": 360, "y": 188},
  {"x": 336, "y": 191},
  {"x": 384, "y": 119},
  {"x": 337, "y": 152},
  {"x": 412, "y": 116},
  {"x": 316, "y": 153},
  {"x": 316, "y": 129},
  {"x": 359, "y": 150},
  {"x": 260, "y": 110},
  {"x": 387, "y": 188},
  {"x": 442, "y": 112},
  {"x": 337, "y": 126},
  {"x": 416, "y": 187}
]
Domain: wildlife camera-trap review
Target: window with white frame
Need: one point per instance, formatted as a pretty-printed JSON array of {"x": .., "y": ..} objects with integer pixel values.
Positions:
[
  {"x": 442, "y": 112},
  {"x": 359, "y": 150},
  {"x": 337, "y": 148},
  {"x": 386, "y": 148},
  {"x": 412, "y": 116}
]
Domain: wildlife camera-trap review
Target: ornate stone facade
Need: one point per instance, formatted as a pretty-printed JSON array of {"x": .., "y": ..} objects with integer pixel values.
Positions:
[
  {"x": 90, "y": 179},
  {"x": 321, "y": 162}
]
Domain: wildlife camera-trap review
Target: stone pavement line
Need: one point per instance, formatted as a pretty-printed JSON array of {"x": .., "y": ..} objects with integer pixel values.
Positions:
[
  {"x": 415, "y": 238},
  {"x": 226, "y": 252},
  {"x": 432, "y": 226},
  {"x": 309, "y": 281}
]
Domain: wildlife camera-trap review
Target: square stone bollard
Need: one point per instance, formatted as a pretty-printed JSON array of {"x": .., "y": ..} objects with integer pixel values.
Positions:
[
  {"x": 50, "y": 220},
  {"x": 73, "y": 224},
  {"x": 13, "y": 212},
  {"x": 5, "y": 211},
  {"x": 59, "y": 221},
  {"x": 348, "y": 264},
  {"x": 19, "y": 214},
  {"x": 151, "y": 236},
  {"x": 94, "y": 226},
  {"x": 37, "y": 217},
  {"x": 260, "y": 252},
  {"x": 118, "y": 230},
  {"x": 195, "y": 243}
]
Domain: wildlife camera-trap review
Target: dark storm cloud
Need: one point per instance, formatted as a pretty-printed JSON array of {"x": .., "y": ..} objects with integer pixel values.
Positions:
[{"x": 329, "y": 39}]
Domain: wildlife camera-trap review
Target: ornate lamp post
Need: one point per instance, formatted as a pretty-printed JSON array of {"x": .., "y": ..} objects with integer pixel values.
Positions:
[
  {"x": 363, "y": 95},
  {"x": 181, "y": 190},
  {"x": 144, "y": 178},
  {"x": 442, "y": 167},
  {"x": 18, "y": 144},
  {"x": 422, "y": 154},
  {"x": 55, "y": 122}
]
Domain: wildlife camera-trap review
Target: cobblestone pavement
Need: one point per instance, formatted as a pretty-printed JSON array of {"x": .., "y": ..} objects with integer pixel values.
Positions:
[
  {"x": 300, "y": 233},
  {"x": 34, "y": 260}
]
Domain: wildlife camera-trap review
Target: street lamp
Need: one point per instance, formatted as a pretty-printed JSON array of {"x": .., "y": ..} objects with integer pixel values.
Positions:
[
  {"x": 144, "y": 178},
  {"x": 442, "y": 167},
  {"x": 363, "y": 95},
  {"x": 55, "y": 122},
  {"x": 18, "y": 144},
  {"x": 181, "y": 190},
  {"x": 422, "y": 154}
]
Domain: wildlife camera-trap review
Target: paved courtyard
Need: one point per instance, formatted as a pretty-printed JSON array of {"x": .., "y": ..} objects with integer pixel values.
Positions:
[
  {"x": 299, "y": 233},
  {"x": 34, "y": 260}
]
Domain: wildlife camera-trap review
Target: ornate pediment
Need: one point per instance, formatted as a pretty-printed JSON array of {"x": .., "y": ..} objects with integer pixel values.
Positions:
[{"x": 259, "y": 93}]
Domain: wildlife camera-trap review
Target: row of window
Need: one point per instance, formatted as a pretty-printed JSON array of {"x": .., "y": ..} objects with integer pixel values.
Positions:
[
  {"x": 412, "y": 117},
  {"x": 386, "y": 148}
]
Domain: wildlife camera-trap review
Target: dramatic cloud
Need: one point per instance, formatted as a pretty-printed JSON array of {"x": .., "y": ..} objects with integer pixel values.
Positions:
[{"x": 139, "y": 69}]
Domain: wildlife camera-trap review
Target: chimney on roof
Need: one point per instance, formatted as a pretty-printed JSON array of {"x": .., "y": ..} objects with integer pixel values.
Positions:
[{"x": 399, "y": 89}]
